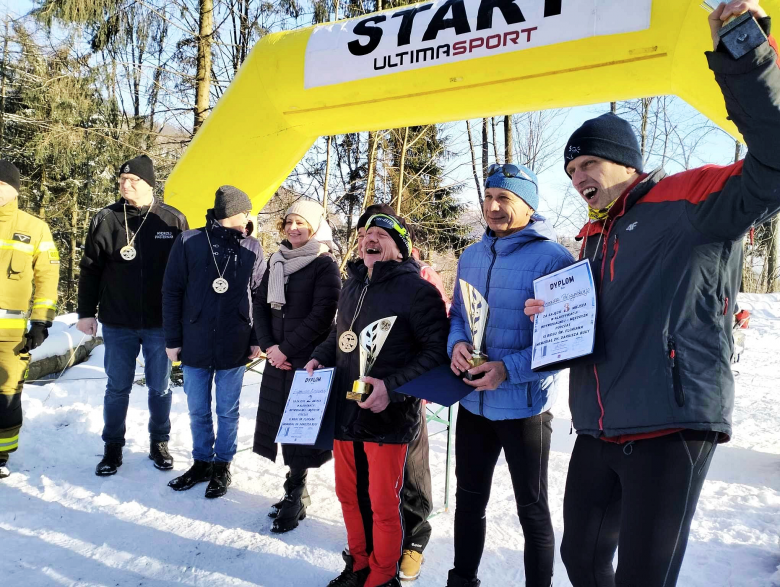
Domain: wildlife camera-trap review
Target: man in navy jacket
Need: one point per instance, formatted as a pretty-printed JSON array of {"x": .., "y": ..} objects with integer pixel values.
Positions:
[{"x": 212, "y": 278}]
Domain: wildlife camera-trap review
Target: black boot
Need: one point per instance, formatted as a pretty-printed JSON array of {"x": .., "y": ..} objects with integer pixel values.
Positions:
[
  {"x": 158, "y": 452},
  {"x": 348, "y": 577},
  {"x": 4, "y": 471},
  {"x": 220, "y": 479},
  {"x": 455, "y": 580},
  {"x": 199, "y": 472},
  {"x": 394, "y": 582},
  {"x": 112, "y": 458},
  {"x": 293, "y": 506},
  {"x": 274, "y": 511}
]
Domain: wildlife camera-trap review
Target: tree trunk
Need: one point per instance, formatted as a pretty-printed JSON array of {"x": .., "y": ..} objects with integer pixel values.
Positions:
[
  {"x": 613, "y": 107},
  {"x": 74, "y": 231},
  {"x": 327, "y": 176},
  {"x": 495, "y": 141},
  {"x": 399, "y": 197},
  {"x": 485, "y": 163},
  {"x": 508, "y": 138},
  {"x": 2, "y": 85},
  {"x": 369, "y": 197},
  {"x": 474, "y": 166},
  {"x": 203, "y": 72},
  {"x": 771, "y": 256}
]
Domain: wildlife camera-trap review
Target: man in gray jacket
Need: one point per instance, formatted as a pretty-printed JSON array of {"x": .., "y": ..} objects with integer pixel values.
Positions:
[{"x": 656, "y": 397}]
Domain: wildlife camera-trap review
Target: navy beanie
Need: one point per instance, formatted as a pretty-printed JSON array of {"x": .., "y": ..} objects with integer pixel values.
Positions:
[
  {"x": 609, "y": 137},
  {"x": 525, "y": 186},
  {"x": 141, "y": 166},
  {"x": 9, "y": 173},
  {"x": 396, "y": 227}
]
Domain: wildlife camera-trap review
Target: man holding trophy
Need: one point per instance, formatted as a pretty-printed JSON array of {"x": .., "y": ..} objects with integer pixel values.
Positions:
[
  {"x": 391, "y": 327},
  {"x": 656, "y": 397},
  {"x": 490, "y": 344}
]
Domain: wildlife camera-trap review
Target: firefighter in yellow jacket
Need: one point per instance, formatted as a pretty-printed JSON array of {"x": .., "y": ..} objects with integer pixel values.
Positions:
[{"x": 28, "y": 258}]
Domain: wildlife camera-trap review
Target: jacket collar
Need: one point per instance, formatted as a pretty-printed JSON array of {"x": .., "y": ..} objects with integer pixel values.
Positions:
[
  {"x": 537, "y": 229},
  {"x": 383, "y": 270},
  {"x": 216, "y": 229},
  {"x": 8, "y": 211}
]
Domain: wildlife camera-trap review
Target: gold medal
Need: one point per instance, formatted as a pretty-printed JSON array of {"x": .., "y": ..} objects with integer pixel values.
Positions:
[
  {"x": 348, "y": 341},
  {"x": 220, "y": 285},
  {"x": 127, "y": 252}
]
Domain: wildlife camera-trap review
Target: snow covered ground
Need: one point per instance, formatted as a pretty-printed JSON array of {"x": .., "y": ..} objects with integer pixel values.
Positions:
[{"x": 62, "y": 525}]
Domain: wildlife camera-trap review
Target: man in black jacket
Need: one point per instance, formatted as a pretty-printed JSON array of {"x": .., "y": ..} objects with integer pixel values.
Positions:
[
  {"x": 656, "y": 397},
  {"x": 210, "y": 286},
  {"x": 372, "y": 436},
  {"x": 121, "y": 276}
]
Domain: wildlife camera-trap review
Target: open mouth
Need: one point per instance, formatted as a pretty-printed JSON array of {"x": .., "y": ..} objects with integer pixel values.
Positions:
[
  {"x": 589, "y": 193},
  {"x": 373, "y": 251}
]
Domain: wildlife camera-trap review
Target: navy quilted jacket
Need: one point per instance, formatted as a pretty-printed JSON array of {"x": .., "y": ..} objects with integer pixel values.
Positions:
[{"x": 503, "y": 270}]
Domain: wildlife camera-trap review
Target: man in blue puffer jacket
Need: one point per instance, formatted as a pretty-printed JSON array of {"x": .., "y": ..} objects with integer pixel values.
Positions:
[{"x": 509, "y": 407}]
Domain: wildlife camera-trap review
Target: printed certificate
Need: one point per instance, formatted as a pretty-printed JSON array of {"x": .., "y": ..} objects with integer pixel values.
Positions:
[{"x": 305, "y": 407}]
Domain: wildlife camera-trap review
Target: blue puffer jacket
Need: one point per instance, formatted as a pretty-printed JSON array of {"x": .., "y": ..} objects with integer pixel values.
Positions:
[{"x": 503, "y": 270}]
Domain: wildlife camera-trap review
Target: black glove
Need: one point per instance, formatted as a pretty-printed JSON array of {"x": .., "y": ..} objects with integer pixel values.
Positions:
[{"x": 39, "y": 331}]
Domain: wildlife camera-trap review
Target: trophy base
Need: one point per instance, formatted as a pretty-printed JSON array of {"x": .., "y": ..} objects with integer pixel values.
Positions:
[
  {"x": 360, "y": 391},
  {"x": 475, "y": 361},
  {"x": 742, "y": 35}
]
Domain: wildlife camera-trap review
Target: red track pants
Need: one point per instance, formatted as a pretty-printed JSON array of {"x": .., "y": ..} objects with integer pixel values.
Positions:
[{"x": 369, "y": 479}]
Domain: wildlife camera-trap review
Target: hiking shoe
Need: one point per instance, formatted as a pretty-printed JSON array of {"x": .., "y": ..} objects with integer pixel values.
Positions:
[
  {"x": 199, "y": 472},
  {"x": 455, "y": 580},
  {"x": 220, "y": 480},
  {"x": 112, "y": 459},
  {"x": 158, "y": 452},
  {"x": 411, "y": 561},
  {"x": 350, "y": 578}
]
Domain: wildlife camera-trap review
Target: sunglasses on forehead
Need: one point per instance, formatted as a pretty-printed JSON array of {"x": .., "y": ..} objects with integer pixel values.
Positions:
[
  {"x": 387, "y": 222},
  {"x": 509, "y": 170}
]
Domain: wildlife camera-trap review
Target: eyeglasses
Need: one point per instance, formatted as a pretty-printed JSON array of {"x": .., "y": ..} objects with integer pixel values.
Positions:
[
  {"x": 509, "y": 170},
  {"x": 133, "y": 180}
]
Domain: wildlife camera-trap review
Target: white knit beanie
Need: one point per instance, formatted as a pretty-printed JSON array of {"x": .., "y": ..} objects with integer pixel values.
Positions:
[{"x": 310, "y": 211}]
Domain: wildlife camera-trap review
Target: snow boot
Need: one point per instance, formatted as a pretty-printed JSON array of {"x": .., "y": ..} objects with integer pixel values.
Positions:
[
  {"x": 293, "y": 506},
  {"x": 350, "y": 578},
  {"x": 199, "y": 472},
  {"x": 220, "y": 480},
  {"x": 394, "y": 582},
  {"x": 411, "y": 561},
  {"x": 455, "y": 580},
  {"x": 4, "y": 470},
  {"x": 112, "y": 459},
  {"x": 274, "y": 511},
  {"x": 158, "y": 452}
]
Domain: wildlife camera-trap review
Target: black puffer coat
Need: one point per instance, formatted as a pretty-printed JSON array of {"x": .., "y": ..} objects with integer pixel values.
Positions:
[
  {"x": 312, "y": 294},
  {"x": 417, "y": 343}
]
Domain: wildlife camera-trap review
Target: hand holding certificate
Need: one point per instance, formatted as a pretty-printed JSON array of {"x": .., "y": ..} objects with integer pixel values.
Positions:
[
  {"x": 305, "y": 407},
  {"x": 566, "y": 328}
]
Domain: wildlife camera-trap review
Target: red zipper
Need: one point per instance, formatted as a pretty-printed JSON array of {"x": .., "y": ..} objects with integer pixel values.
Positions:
[
  {"x": 726, "y": 307},
  {"x": 615, "y": 248},
  {"x": 598, "y": 396}
]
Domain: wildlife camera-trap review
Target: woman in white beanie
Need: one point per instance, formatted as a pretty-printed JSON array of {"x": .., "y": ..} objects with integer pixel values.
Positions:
[{"x": 301, "y": 291}]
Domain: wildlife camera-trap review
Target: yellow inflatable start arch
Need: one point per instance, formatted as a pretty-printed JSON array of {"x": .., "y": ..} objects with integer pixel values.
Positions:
[{"x": 437, "y": 62}]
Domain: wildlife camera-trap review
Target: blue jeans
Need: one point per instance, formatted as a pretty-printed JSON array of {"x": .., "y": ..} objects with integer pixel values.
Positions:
[
  {"x": 197, "y": 386},
  {"x": 121, "y": 350}
]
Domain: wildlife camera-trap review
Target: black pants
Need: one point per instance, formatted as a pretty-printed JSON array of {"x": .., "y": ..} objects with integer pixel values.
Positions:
[
  {"x": 417, "y": 503},
  {"x": 526, "y": 444},
  {"x": 639, "y": 498}
]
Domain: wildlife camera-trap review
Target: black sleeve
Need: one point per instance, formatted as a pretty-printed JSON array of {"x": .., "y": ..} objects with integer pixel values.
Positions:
[
  {"x": 325, "y": 353},
  {"x": 174, "y": 286},
  {"x": 327, "y": 285},
  {"x": 262, "y": 311},
  {"x": 430, "y": 327},
  {"x": 90, "y": 271}
]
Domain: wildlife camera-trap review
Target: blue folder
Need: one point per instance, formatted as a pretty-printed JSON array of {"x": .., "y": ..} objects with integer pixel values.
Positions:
[{"x": 439, "y": 386}]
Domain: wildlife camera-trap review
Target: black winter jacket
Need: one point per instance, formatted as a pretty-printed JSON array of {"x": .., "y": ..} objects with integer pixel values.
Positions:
[
  {"x": 312, "y": 295},
  {"x": 417, "y": 343},
  {"x": 213, "y": 330},
  {"x": 127, "y": 293},
  {"x": 668, "y": 264}
]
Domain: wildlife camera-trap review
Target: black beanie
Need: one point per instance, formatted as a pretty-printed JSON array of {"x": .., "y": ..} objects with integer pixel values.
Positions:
[
  {"x": 141, "y": 166},
  {"x": 230, "y": 201},
  {"x": 371, "y": 210},
  {"x": 9, "y": 173},
  {"x": 609, "y": 137}
]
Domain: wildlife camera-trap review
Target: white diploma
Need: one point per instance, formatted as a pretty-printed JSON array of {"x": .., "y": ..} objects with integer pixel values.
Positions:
[
  {"x": 305, "y": 407},
  {"x": 567, "y": 327}
]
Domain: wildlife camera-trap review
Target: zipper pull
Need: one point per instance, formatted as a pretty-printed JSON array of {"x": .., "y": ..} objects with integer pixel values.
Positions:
[
  {"x": 571, "y": 428},
  {"x": 671, "y": 351}
]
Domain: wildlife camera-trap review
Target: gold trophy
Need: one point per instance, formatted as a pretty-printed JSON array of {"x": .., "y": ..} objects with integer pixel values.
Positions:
[
  {"x": 740, "y": 34},
  {"x": 372, "y": 338},
  {"x": 477, "y": 315}
]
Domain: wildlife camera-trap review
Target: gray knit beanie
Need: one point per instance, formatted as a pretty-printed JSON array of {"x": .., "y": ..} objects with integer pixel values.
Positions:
[{"x": 230, "y": 201}]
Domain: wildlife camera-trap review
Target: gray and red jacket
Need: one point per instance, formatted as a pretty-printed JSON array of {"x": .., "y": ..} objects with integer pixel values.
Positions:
[{"x": 668, "y": 263}]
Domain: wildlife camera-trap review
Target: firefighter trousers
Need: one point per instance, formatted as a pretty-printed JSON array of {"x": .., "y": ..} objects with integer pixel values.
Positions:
[{"x": 14, "y": 359}]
